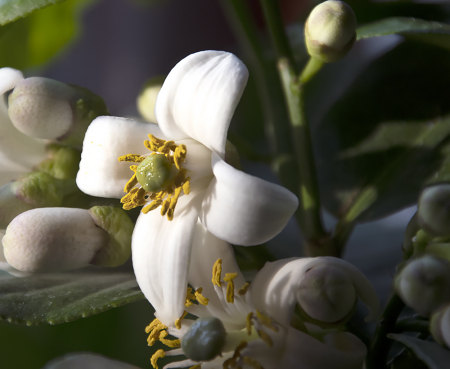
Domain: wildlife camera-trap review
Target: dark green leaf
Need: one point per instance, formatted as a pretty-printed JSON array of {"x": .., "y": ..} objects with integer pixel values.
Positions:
[
  {"x": 431, "y": 353},
  {"x": 63, "y": 297},
  {"x": 433, "y": 32},
  {"x": 10, "y": 10}
]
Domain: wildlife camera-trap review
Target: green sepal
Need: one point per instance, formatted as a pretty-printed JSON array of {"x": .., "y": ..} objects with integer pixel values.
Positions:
[{"x": 63, "y": 162}]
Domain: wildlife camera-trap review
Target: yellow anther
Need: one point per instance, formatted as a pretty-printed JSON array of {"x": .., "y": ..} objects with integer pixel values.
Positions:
[
  {"x": 170, "y": 343},
  {"x": 243, "y": 290},
  {"x": 148, "y": 145},
  {"x": 229, "y": 277},
  {"x": 187, "y": 186},
  {"x": 252, "y": 362},
  {"x": 153, "y": 324},
  {"x": 189, "y": 297},
  {"x": 217, "y": 273},
  {"x": 231, "y": 362},
  {"x": 249, "y": 323},
  {"x": 198, "y": 366},
  {"x": 178, "y": 321},
  {"x": 200, "y": 298},
  {"x": 265, "y": 337},
  {"x": 266, "y": 321},
  {"x": 165, "y": 206},
  {"x": 157, "y": 355},
  {"x": 155, "y": 140},
  {"x": 131, "y": 183},
  {"x": 132, "y": 158},
  {"x": 133, "y": 168},
  {"x": 153, "y": 205}
]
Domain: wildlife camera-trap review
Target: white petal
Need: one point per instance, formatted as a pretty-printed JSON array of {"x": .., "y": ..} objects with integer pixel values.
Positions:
[
  {"x": 107, "y": 138},
  {"x": 243, "y": 209},
  {"x": 206, "y": 250},
  {"x": 86, "y": 361},
  {"x": 340, "y": 350},
  {"x": 161, "y": 251},
  {"x": 274, "y": 289},
  {"x": 18, "y": 152},
  {"x": 199, "y": 97}
]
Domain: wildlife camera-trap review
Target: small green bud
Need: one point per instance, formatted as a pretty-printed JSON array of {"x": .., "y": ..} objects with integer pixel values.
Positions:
[
  {"x": 63, "y": 161},
  {"x": 119, "y": 227},
  {"x": 434, "y": 210},
  {"x": 330, "y": 31},
  {"x": 424, "y": 284},
  {"x": 410, "y": 232},
  {"x": 48, "y": 109},
  {"x": 440, "y": 326},
  {"x": 204, "y": 340},
  {"x": 155, "y": 173},
  {"x": 147, "y": 98},
  {"x": 327, "y": 294}
]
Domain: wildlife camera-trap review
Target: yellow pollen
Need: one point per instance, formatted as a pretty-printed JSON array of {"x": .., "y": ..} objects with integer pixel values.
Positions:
[
  {"x": 198, "y": 366},
  {"x": 265, "y": 337},
  {"x": 157, "y": 355},
  {"x": 189, "y": 297},
  {"x": 130, "y": 184},
  {"x": 230, "y": 286},
  {"x": 266, "y": 321},
  {"x": 243, "y": 290},
  {"x": 217, "y": 273},
  {"x": 187, "y": 186},
  {"x": 249, "y": 323},
  {"x": 252, "y": 362},
  {"x": 170, "y": 343},
  {"x": 178, "y": 321},
  {"x": 132, "y": 158},
  {"x": 200, "y": 298}
]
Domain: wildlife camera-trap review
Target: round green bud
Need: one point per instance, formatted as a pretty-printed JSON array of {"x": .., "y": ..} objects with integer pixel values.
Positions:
[
  {"x": 330, "y": 31},
  {"x": 424, "y": 284},
  {"x": 327, "y": 294},
  {"x": 434, "y": 210},
  {"x": 204, "y": 340},
  {"x": 147, "y": 98},
  {"x": 155, "y": 173}
]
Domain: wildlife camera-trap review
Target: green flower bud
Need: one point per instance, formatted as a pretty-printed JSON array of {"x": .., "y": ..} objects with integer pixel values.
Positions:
[
  {"x": 424, "y": 284},
  {"x": 327, "y": 294},
  {"x": 119, "y": 227},
  {"x": 155, "y": 173},
  {"x": 434, "y": 210},
  {"x": 330, "y": 31},
  {"x": 410, "y": 232},
  {"x": 204, "y": 340},
  {"x": 440, "y": 326},
  {"x": 44, "y": 108},
  {"x": 63, "y": 161},
  {"x": 147, "y": 98}
]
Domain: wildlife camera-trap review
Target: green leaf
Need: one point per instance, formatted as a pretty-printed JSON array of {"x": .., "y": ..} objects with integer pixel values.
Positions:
[
  {"x": 431, "y": 353},
  {"x": 63, "y": 297},
  {"x": 10, "y": 10},
  {"x": 432, "y": 32},
  {"x": 35, "y": 39},
  {"x": 388, "y": 135}
]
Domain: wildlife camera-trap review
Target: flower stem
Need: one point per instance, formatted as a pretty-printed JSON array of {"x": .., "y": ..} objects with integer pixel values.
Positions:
[
  {"x": 310, "y": 70},
  {"x": 381, "y": 345},
  {"x": 412, "y": 325}
]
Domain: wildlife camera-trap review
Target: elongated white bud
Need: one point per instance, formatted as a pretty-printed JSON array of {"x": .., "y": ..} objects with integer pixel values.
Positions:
[
  {"x": 45, "y": 108},
  {"x": 440, "y": 326},
  {"x": 424, "y": 284},
  {"x": 58, "y": 239}
]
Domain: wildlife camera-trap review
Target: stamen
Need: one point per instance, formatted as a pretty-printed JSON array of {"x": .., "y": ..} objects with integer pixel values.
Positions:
[
  {"x": 189, "y": 296},
  {"x": 132, "y": 158},
  {"x": 131, "y": 183},
  {"x": 252, "y": 362},
  {"x": 200, "y": 298},
  {"x": 231, "y": 362},
  {"x": 230, "y": 286},
  {"x": 265, "y": 337},
  {"x": 249, "y": 323},
  {"x": 266, "y": 321},
  {"x": 178, "y": 321},
  {"x": 217, "y": 273},
  {"x": 243, "y": 290},
  {"x": 133, "y": 168},
  {"x": 157, "y": 355},
  {"x": 170, "y": 343},
  {"x": 187, "y": 186},
  {"x": 197, "y": 366}
]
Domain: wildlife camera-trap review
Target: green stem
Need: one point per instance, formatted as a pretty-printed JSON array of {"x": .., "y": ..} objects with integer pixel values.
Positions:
[
  {"x": 412, "y": 325},
  {"x": 310, "y": 70},
  {"x": 381, "y": 345}
]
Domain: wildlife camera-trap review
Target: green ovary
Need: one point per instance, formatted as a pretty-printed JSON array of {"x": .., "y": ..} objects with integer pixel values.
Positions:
[{"x": 155, "y": 173}]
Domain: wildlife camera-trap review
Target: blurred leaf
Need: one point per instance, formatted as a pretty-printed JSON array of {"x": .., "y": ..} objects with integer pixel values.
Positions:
[
  {"x": 387, "y": 136},
  {"x": 34, "y": 40},
  {"x": 63, "y": 297},
  {"x": 432, "y": 354},
  {"x": 432, "y": 32},
  {"x": 10, "y": 10}
]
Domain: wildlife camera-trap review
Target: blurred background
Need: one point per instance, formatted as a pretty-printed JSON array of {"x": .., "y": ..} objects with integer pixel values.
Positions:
[{"x": 113, "y": 46}]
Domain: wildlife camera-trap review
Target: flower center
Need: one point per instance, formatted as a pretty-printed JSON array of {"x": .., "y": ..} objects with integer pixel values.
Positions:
[{"x": 161, "y": 177}]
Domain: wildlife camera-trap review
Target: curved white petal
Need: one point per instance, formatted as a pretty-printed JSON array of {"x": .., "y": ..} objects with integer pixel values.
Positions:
[
  {"x": 18, "y": 152},
  {"x": 340, "y": 350},
  {"x": 206, "y": 250},
  {"x": 243, "y": 209},
  {"x": 86, "y": 361},
  {"x": 161, "y": 251},
  {"x": 274, "y": 289},
  {"x": 107, "y": 138},
  {"x": 199, "y": 96}
]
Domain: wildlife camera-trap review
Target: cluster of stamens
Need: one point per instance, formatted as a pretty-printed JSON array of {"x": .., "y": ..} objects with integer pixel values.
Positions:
[{"x": 166, "y": 198}]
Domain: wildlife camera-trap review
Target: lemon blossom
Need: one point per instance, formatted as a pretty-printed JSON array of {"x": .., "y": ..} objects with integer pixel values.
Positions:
[{"x": 194, "y": 109}]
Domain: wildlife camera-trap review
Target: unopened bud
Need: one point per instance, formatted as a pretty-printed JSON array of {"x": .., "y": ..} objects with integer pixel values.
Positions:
[
  {"x": 410, "y": 232},
  {"x": 60, "y": 239},
  {"x": 330, "y": 31},
  {"x": 327, "y": 294},
  {"x": 434, "y": 210},
  {"x": 424, "y": 284},
  {"x": 147, "y": 98},
  {"x": 45, "y": 108},
  {"x": 62, "y": 163},
  {"x": 440, "y": 326}
]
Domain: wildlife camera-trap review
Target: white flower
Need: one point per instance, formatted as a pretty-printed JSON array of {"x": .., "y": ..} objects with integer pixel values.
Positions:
[
  {"x": 265, "y": 309},
  {"x": 194, "y": 108}
]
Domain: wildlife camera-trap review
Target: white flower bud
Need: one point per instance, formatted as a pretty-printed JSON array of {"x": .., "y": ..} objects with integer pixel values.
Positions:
[
  {"x": 147, "y": 98},
  {"x": 330, "y": 31},
  {"x": 434, "y": 210},
  {"x": 440, "y": 326},
  {"x": 48, "y": 109},
  {"x": 326, "y": 293},
  {"x": 424, "y": 284}
]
